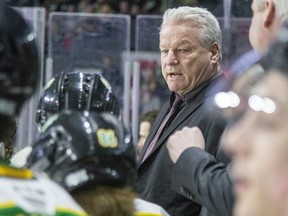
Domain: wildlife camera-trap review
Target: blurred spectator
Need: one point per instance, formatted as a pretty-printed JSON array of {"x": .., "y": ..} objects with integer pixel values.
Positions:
[
  {"x": 112, "y": 73},
  {"x": 135, "y": 9},
  {"x": 146, "y": 122},
  {"x": 150, "y": 85},
  {"x": 150, "y": 6},
  {"x": 239, "y": 8},
  {"x": 149, "y": 100},
  {"x": 105, "y": 7},
  {"x": 124, "y": 6},
  {"x": 24, "y": 2},
  {"x": 67, "y": 6}
]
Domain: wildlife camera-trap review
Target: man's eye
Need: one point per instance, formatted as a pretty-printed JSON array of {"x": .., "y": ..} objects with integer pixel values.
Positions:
[
  {"x": 164, "y": 52},
  {"x": 183, "y": 50}
]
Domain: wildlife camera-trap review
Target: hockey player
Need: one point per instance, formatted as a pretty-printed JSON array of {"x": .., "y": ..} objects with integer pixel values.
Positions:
[{"x": 22, "y": 192}]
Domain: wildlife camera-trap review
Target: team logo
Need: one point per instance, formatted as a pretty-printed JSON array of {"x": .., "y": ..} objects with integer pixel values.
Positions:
[{"x": 107, "y": 138}]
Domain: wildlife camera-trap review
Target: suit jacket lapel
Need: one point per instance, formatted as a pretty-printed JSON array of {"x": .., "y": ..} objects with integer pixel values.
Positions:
[{"x": 182, "y": 115}]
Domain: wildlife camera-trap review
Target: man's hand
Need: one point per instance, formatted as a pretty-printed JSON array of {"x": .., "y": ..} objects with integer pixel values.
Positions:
[{"x": 184, "y": 139}]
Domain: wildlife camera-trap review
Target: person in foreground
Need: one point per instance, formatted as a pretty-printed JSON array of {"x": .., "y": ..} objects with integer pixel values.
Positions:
[
  {"x": 258, "y": 140},
  {"x": 23, "y": 192},
  {"x": 93, "y": 156},
  {"x": 208, "y": 179},
  {"x": 190, "y": 45}
]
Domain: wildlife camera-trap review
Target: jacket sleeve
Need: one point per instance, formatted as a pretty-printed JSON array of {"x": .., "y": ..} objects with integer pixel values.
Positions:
[{"x": 200, "y": 177}]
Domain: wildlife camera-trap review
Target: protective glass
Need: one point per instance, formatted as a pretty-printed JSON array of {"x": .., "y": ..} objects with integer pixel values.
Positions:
[{"x": 239, "y": 95}]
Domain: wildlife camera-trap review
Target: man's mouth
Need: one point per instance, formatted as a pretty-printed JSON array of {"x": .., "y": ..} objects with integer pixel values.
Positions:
[{"x": 174, "y": 74}]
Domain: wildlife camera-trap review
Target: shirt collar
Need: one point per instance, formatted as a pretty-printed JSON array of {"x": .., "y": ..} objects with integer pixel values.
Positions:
[
  {"x": 201, "y": 88},
  {"x": 173, "y": 96}
]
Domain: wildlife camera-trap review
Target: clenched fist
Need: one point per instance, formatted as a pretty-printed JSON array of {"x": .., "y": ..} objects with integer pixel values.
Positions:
[{"x": 184, "y": 139}]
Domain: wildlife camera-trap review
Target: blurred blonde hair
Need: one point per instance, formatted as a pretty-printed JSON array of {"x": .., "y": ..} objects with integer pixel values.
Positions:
[{"x": 106, "y": 201}]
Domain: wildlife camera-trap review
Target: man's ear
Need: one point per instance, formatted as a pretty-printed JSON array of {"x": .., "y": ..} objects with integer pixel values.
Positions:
[
  {"x": 215, "y": 52},
  {"x": 270, "y": 13}
]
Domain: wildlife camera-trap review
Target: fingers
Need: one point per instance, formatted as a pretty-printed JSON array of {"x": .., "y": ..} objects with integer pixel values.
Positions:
[{"x": 184, "y": 139}]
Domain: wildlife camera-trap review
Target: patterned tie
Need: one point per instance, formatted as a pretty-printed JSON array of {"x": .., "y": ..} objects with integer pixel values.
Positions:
[{"x": 167, "y": 120}]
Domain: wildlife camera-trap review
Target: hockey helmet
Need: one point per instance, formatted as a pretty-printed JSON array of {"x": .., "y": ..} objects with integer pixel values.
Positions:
[
  {"x": 80, "y": 149},
  {"x": 76, "y": 90}
]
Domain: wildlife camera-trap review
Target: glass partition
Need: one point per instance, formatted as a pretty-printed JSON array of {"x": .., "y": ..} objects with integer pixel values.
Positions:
[
  {"x": 235, "y": 39},
  {"x": 150, "y": 90},
  {"x": 97, "y": 43},
  {"x": 26, "y": 128}
]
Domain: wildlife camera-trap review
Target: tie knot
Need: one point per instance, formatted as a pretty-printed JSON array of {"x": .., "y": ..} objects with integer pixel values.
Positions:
[
  {"x": 177, "y": 102},
  {"x": 179, "y": 99}
]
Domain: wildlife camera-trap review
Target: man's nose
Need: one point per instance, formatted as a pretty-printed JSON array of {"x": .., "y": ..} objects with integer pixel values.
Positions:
[{"x": 171, "y": 58}]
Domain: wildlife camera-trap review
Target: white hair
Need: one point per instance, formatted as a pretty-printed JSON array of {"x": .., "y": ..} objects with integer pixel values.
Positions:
[
  {"x": 281, "y": 8},
  {"x": 210, "y": 31}
]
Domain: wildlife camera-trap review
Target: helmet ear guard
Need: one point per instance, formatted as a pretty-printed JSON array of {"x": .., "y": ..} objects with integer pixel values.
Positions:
[{"x": 81, "y": 149}]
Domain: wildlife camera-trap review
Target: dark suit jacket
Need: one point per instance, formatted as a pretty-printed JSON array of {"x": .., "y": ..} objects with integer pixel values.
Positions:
[
  {"x": 206, "y": 181},
  {"x": 154, "y": 182}
]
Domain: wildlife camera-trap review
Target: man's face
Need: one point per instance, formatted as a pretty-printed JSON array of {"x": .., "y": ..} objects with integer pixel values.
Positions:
[
  {"x": 185, "y": 61},
  {"x": 143, "y": 133},
  {"x": 258, "y": 142}
]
